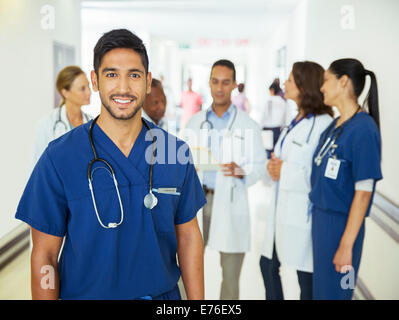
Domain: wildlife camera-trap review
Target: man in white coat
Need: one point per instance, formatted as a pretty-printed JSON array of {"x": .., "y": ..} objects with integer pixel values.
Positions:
[{"x": 235, "y": 141}]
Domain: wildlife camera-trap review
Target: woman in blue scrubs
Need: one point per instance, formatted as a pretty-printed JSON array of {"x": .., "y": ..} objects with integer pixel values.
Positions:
[
  {"x": 117, "y": 244},
  {"x": 346, "y": 167}
]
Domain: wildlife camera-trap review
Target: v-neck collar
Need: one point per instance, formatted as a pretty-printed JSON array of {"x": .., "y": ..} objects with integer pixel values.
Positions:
[{"x": 134, "y": 166}]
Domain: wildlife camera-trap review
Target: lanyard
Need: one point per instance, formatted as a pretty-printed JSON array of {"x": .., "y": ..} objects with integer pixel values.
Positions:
[
  {"x": 292, "y": 126},
  {"x": 329, "y": 140}
]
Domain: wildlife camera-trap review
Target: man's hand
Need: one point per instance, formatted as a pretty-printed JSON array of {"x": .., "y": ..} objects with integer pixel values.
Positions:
[
  {"x": 232, "y": 170},
  {"x": 274, "y": 167}
]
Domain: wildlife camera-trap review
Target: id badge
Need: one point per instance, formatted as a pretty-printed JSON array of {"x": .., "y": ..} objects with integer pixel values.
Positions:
[{"x": 332, "y": 168}]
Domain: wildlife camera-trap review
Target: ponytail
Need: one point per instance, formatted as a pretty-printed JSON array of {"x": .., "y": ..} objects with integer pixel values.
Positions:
[
  {"x": 372, "y": 98},
  {"x": 357, "y": 74},
  {"x": 62, "y": 102}
]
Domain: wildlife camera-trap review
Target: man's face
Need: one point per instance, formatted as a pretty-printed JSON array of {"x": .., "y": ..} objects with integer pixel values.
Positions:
[
  {"x": 122, "y": 83},
  {"x": 155, "y": 103},
  {"x": 221, "y": 84}
]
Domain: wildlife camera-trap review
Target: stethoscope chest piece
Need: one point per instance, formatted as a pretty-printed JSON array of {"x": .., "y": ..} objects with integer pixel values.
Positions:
[{"x": 150, "y": 200}]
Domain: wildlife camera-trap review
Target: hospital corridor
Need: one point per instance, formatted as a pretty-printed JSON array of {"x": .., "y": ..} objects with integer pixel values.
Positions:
[{"x": 199, "y": 149}]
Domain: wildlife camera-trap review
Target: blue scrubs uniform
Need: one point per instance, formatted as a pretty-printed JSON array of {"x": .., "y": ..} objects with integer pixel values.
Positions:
[
  {"x": 135, "y": 259},
  {"x": 359, "y": 152}
]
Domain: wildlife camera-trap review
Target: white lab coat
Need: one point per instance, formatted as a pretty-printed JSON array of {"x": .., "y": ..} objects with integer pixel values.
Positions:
[
  {"x": 45, "y": 132},
  {"x": 287, "y": 220},
  {"x": 230, "y": 229}
]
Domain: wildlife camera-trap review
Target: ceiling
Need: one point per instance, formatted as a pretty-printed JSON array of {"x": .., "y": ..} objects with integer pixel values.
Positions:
[{"x": 191, "y": 19}]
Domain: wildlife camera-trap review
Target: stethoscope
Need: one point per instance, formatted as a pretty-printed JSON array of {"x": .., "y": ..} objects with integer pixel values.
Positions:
[
  {"x": 210, "y": 124},
  {"x": 60, "y": 121},
  {"x": 328, "y": 144},
  {"x": 150, "y": 200},
  {"x": 210, "y": 127},
  {"x": 292, "y": 125}
]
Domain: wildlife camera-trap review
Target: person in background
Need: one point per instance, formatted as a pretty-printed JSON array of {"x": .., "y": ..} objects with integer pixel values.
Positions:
[
  {"x": 226, "y": 217},
  {"x": 288, "y": 238},
  {"x": 240, "y": 100},
  {"x": 280, "y": 91},
  {"x": 171, "y": 110},
  {"x": 74, "y": 88},
  {"x": 274, "y": 115},
  {"x": 346, "y": 168},
  {"x": 154, "y": 107},
  {"x": 191, "y": 103}
]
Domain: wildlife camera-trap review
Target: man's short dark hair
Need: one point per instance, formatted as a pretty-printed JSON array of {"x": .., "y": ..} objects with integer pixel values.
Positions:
[
  {"x": 225, "y": 63},
  {"x": 119, "y": 38}
]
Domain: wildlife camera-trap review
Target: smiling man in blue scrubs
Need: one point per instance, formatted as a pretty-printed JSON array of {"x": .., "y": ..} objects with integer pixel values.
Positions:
[{"x": 115, "y": 247}]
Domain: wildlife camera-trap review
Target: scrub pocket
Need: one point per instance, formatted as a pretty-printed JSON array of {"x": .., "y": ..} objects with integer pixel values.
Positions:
[{"x": 163, "y": 214}]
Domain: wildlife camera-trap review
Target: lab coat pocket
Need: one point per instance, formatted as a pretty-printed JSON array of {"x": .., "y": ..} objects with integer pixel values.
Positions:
[
  {"x": 296, "y": 169},
  {"x": 293, "y": 210},
  {"x": 163, "y": 214}
]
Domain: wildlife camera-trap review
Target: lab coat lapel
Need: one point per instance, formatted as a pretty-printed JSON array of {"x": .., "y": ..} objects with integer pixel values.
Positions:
[{"x": 107, "y": 149}]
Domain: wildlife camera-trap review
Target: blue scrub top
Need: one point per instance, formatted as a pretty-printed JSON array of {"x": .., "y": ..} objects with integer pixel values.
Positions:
[
  {"x": 136, "y": 259},
  {"x": 359, "y": 150}
]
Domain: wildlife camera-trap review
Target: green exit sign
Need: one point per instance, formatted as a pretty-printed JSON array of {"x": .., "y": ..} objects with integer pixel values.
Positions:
[{"x": 184, "y": 46}]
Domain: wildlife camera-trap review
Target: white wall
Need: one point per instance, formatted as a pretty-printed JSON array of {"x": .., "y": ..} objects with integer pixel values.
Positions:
[
  {"x": 290, "y": 33},
  {"x": 374, "y": 41},
  {"x": 27, "y": 86}
]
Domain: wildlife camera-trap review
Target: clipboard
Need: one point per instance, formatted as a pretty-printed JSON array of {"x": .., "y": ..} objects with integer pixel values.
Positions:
[{"x": 204, "y": 160}]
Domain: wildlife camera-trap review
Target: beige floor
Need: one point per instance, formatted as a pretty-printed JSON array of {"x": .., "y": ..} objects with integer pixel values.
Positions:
[{"x": 15, "y": 278}]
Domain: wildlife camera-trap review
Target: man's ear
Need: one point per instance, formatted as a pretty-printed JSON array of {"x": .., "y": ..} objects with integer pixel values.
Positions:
[
  {"x": 149, "y": 80},
  {"x": 94, "y": 80}
]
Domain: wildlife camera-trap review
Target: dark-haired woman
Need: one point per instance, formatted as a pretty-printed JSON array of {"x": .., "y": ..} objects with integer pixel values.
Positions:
[
  {"x": 288, "y": 226},
  {"x": 346, "y": 167}
]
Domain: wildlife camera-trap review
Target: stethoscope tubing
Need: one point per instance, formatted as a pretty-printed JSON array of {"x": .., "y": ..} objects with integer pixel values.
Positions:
[
  {"x": 287, "y": 131},
  {"x": 211, "y": 124},
  {"x": 60, "y": 121},
  {"x": 112, "y": 172}
]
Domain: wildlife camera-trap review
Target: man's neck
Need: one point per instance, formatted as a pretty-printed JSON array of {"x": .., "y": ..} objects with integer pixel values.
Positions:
[
  {"x": 122, "y": 132},
  {"x": 155, "y": 121},
  {"x": 220, "y": 109}
]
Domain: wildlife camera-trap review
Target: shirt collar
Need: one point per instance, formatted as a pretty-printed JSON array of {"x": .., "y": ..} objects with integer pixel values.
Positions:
[{"x": 226, "y": 114}]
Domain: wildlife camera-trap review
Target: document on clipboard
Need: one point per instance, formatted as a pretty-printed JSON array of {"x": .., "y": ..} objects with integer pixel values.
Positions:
[{"x": 204, "y": 160}]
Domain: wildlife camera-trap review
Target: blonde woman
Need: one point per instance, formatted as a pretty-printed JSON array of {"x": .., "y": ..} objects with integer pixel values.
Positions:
[{"x": 73, "y": 86}]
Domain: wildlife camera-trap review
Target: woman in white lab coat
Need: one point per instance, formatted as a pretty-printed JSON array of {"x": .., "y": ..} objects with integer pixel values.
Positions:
[
  {"x": 288, "y": 227},
  {"x": 73, "y": 86}
]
